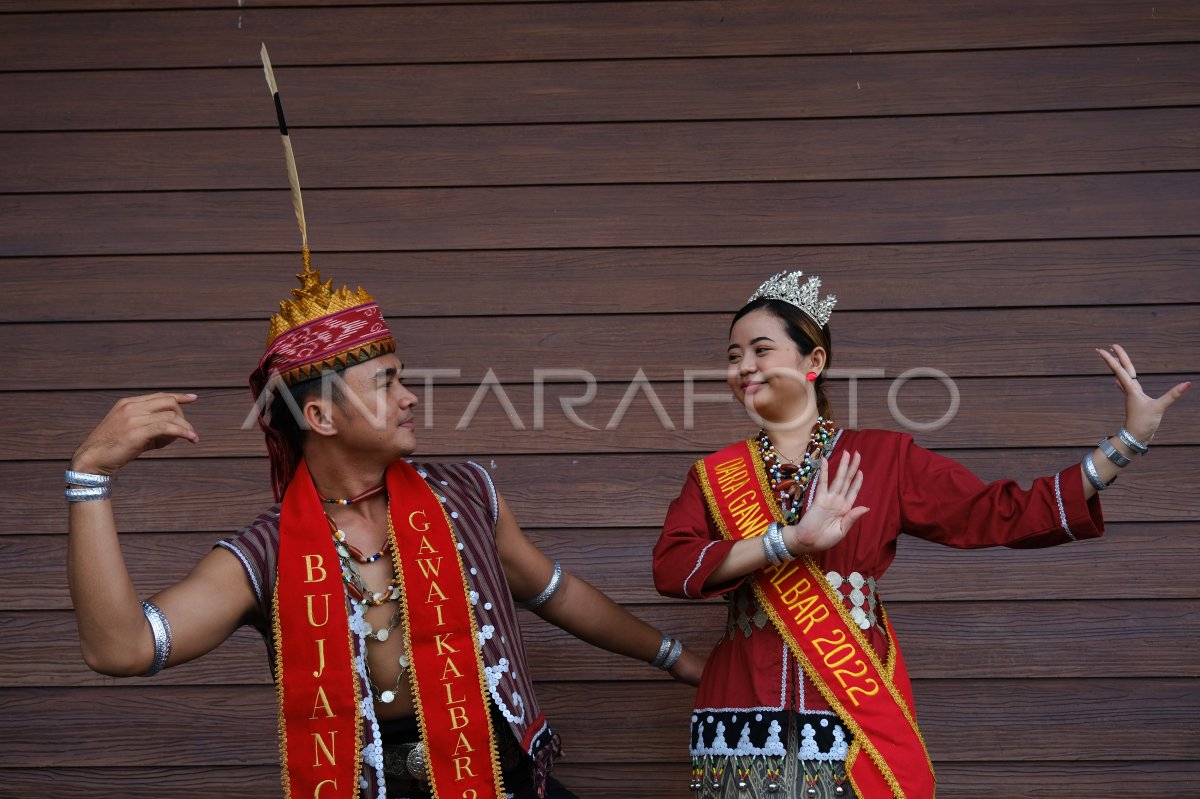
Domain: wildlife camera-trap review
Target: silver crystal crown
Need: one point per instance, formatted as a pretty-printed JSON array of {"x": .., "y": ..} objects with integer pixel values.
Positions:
[{"x": 786, "y": 286}]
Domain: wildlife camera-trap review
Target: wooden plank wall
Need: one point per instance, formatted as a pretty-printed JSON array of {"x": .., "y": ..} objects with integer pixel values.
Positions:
[{"x": 991, "y": 187}]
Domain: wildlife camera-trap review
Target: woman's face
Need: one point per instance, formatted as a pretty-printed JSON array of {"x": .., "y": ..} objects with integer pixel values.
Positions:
[{"x": 767, "y": 370}]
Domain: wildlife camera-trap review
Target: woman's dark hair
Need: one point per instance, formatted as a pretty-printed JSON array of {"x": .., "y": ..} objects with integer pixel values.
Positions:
[{"x": 802, "y": 330}]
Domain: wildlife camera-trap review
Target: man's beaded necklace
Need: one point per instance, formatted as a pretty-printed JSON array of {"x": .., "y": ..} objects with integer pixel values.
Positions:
[{"x": 789, "y": 480}]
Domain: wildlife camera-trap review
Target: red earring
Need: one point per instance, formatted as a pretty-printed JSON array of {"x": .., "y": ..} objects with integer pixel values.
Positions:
[{"x": 812, "y": 377}]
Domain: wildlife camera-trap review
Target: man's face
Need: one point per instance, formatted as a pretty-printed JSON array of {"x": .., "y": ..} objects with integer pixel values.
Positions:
[{"x": 374, "y": 414}]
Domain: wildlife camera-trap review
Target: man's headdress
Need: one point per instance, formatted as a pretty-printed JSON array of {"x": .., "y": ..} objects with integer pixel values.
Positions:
[{"x": 316, "y": 330}]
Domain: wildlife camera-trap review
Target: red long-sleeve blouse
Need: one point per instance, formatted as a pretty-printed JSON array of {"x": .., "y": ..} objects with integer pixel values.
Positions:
[{"x": 909, "y": 490}]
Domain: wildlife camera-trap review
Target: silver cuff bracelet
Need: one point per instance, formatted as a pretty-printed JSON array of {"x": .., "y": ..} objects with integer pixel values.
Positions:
[
  {"x": 547, "y": 592},
  {"x": 777, "y": 551},
  {"x": 1112, "y": 453},
  {"x": 673, "y": 655},
  {"x": 162, "y": 637},
  {"x": 86, "y": 479},
  {"x": 1093, "y": 476},
  {"x": 87, "y": 493},
  {"x": 1128, "y": 440}
]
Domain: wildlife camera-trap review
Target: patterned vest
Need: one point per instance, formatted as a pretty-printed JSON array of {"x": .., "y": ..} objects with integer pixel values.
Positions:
[{"x": 471, "y": 502}]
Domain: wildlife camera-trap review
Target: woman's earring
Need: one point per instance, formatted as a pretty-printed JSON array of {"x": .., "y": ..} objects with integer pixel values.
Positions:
[{"x": 811, "y": 377}]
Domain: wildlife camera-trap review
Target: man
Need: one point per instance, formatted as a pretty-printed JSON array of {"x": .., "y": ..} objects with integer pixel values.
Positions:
[{"x": 415, "y": 566}]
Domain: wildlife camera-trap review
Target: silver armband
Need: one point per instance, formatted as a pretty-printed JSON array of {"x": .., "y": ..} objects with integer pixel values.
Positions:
[
  {"x": 162, "y": 637},
  {"x": 547, "y": 592},
  {"x": 1093, "y": 476}
]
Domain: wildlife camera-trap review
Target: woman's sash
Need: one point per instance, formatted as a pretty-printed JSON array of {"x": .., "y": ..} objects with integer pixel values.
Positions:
[
  {"x": 871, "y": 697},
  {"x": 441, "y": 638}
]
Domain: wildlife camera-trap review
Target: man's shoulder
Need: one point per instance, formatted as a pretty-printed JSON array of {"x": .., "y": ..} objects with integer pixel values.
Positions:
[
  {"x": 458, "y": 472},
  {"x": 263, "y": 529}
]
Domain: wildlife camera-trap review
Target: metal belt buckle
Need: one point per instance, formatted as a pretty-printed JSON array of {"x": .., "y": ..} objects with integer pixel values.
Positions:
[{"x": 406, "y": 761}]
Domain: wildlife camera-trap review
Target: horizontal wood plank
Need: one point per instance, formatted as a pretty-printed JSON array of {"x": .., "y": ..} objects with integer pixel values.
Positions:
[
  {"x": 942, "y": 640},
  {"x": 785, "y": 87},
  {"x": 1136, "y": 560},
  {"x": 26, "y": 6},
  {"x": 1028, "y": 779},
  {"x": 188, "y": 356},
  {"x": 749, "y": 214},
  {"x": 1033, "y": 412},
  {"x": 450, "y": 33},
  {"x": 222, "y": 495},
  {"x": 235, "y": 725},
  {"x": 833, "y": 149},
  {"x": 181, "y": 287}
]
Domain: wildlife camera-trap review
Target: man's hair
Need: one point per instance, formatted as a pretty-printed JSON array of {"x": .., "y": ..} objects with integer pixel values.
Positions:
[{"x": 286, "y": 412}]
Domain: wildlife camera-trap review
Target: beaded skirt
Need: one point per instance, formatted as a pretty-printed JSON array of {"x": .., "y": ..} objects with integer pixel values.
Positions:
[{"x": 788, "y": 775}]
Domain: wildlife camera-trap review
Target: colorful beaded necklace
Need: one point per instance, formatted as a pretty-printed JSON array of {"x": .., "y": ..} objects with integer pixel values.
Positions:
[
  {"x": 790, "y": 480},
  {"x": 348, "y": 554}
]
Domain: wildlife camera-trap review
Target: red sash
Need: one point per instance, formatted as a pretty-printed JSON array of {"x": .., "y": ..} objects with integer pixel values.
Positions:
[
  {"x": 319, "y": 744},
  {"x": 872, "y": 698},
  {"x": 449, "y": 685}
]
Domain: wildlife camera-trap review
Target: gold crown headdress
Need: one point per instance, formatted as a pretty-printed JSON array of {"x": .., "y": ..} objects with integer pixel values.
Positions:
[
  {"x": 314, "y": 299},
  {"x": 786, "y": 286}
]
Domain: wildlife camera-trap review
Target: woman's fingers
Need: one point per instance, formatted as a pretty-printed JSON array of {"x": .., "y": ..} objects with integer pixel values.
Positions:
[
  {"x": 1122, "y": 379},
  {"x": 1172, "y": 394},
  {"x": 1123, "y": 359}
]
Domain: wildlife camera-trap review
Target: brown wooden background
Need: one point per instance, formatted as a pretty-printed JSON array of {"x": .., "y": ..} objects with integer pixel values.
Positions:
[{"x": 991, "y": 187}]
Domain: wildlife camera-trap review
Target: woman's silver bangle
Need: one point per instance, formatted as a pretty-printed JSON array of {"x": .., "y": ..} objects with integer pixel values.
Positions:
[
  {"x": 547, "y": 592},
  {"x": 162, "y": 637},
  {"x": 1112, "y": 453},
  {"x": 1128, "y": 440},
  {"x": 1093, "y": 476},
  {"x": 777, "y": 551}
]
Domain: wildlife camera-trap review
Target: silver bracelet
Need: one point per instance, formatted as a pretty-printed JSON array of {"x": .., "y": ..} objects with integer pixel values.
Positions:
[
  {"x": 1093, "y": 476},
  {"x": 1128, "y": 440},
  {"x": 774, "y": 542},
  {"x": 547, "y": 592},
  {"x": 87, "y": 479},
  {"x": 772, "y": 558},
  {"x": 673, "y": 655},
  {"x": 1112, "y": 453},
  {"x": 87, "y": 493},
  {"x": 664, "y": 649},
  {"x": 162, "y": 637}
]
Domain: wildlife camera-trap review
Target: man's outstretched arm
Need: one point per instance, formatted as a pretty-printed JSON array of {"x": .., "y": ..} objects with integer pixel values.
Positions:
[{"x": 201, "y": 611}]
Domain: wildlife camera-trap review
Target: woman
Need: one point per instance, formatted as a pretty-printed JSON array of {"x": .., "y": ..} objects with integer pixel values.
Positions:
[{"x": 806, "y": 694}]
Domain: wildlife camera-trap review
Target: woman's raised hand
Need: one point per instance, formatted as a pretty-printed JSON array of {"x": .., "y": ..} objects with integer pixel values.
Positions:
[
  {"x": 1143, "y": 413},
  {"x": 833, "y": 511}
]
